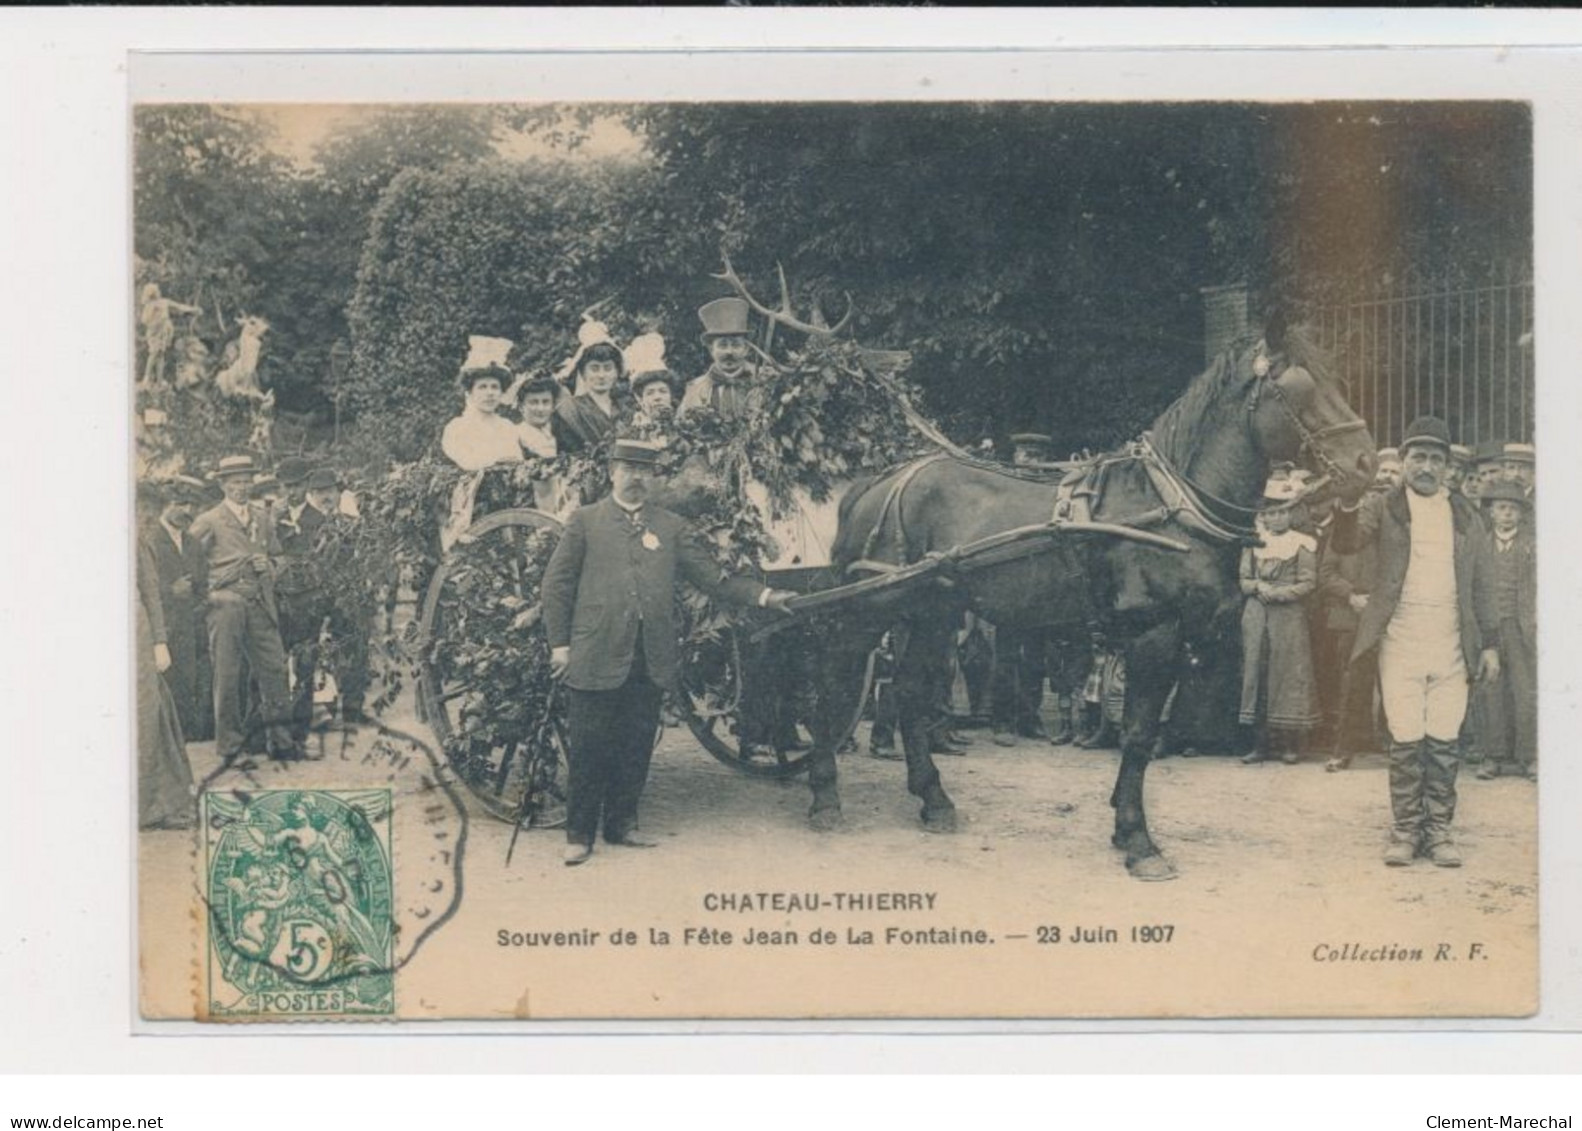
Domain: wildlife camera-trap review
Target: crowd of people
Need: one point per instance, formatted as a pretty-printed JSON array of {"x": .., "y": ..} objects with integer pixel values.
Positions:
[
  {"x": 1405, "y": 624},
  {"x": 233, "y": 622}
]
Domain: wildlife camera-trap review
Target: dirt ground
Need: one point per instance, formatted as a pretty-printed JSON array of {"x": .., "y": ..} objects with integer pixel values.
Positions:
[{"x": 1279, "y": 869}]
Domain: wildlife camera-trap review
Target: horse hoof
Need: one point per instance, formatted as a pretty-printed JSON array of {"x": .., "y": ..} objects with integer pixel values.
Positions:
[
  {"x": 826, "y": 819},
  {"x": 939, "y": 820},
  {"x": 1151, "y": 868}
]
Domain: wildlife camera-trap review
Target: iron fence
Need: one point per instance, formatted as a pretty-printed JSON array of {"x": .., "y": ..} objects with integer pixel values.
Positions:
[{"x": 1460, "y": 349}]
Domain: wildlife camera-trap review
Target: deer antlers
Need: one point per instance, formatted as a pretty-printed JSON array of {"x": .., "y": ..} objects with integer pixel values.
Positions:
[{"x": 783, "y": 316}]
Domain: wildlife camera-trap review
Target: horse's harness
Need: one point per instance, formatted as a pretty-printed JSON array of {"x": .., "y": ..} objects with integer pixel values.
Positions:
[{"x": 1080, "y": 492}]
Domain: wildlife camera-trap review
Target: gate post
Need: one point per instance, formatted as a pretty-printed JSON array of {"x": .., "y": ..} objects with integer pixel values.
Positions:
[{"x": 1224, "y": 317}]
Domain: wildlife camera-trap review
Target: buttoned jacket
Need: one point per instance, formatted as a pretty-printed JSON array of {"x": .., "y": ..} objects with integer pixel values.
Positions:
[
  {"x": 609, "y": 576},
  {"x": 1385, "y": 523}
]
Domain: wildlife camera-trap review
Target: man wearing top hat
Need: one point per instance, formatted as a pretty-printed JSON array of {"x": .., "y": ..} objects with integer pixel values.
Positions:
[
  {"x": 1510, "y": 703},
  {"x": 180, "y": 564},
  {"x": 1431, "y": 616},
  {"x": 609, "y": 601},
  {"x": 727, "y": 386},
  {"x": 238, "y": 543}
]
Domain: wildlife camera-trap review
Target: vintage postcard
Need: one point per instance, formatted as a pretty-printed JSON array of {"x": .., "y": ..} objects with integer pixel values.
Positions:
[{"x": 785, "y": 560}]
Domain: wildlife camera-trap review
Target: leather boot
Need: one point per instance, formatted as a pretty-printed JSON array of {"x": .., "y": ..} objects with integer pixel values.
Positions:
[
  {"x": 1441, "y": 763},
  {"x": 1406, "y": 802}
]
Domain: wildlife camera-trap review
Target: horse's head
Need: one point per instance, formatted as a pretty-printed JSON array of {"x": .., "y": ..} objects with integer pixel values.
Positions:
[{"x": 1299, "y": 413}]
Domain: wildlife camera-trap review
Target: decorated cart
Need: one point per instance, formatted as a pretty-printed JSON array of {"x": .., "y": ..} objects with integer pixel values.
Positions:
[{"x": 764, "y": 491}]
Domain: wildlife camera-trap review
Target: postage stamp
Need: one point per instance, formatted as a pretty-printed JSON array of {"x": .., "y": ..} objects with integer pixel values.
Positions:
[{"x": 299, "y": 890}]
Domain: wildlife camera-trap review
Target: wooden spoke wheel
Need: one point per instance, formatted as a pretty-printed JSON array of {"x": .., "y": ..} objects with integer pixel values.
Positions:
[
  {"x": 484, "y": 668},
  {"x": 725, "y": 678}
]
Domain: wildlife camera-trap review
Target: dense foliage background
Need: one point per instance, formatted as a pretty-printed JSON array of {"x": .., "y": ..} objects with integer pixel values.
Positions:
[{"x": 1042, "y": 262}]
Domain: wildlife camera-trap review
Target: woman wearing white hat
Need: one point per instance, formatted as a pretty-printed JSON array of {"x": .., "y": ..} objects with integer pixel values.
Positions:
[
  {"x": 589, "y": 416},
  {"x": 480, "y": 437}
]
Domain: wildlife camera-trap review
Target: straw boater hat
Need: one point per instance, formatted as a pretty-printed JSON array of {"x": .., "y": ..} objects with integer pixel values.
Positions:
[
  {"x": 233, "y": 466},
  {"x": 1504, "y": 491},
  {"x": 724, "y": 318},
  {"x": 1427, "y": 430},
  {"x": 1389, "y": 455},
  {"x": 1519, "y": 453},
  {"x": 1461, "y": 455},
  {"x": 1285, "y": 486},
  {"x": 486, "y": 358}
]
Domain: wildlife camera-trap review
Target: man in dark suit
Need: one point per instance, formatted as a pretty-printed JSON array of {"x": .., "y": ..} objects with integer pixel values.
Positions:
[
  {"x": 1431, "y": 618},
  {"x": 304, "y": 604},
  {"x": 238, "y": 543},
  {"x": 179, "y": 561},
  {"x": 609, "y": 598}
]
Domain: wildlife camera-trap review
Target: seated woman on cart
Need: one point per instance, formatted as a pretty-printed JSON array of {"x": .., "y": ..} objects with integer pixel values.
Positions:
[{"x": 481, "y": 440}]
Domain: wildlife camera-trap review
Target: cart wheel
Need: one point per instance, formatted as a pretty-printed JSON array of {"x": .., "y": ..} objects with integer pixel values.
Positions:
[
  {"x": 484, "y": 681},
  {"x": 711, "y": 684}
]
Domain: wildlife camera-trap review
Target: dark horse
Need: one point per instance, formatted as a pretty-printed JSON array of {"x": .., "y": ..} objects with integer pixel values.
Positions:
[{"x": 1196, "y": 476}]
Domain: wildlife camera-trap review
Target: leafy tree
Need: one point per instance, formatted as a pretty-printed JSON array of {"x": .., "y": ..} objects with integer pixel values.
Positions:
[
  {"x": 1044, "y": 261},
  {"x": 210, "y": 198}
]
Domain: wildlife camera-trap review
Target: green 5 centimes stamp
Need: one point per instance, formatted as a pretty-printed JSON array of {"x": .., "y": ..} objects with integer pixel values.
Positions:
[{"x": 300, "y": 903}]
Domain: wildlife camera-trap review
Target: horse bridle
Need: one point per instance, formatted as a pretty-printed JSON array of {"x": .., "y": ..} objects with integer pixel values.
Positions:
[{"x": 1311, "y": 438}]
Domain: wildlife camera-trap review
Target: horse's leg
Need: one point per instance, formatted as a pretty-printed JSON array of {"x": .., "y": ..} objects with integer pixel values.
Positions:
[
  {"x": 916, "y": 687},
  {"x": 1151, "y": 664},
  {"x": 839, "y": 685}
]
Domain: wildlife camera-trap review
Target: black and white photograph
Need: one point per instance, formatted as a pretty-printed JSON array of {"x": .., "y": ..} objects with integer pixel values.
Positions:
[{"x": 841, "y": 559}]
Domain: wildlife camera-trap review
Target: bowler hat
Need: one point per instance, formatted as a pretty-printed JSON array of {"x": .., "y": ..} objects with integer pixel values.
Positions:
[
  {"x": 1427, "y": 430},
  {"x": 1506, "y": 491},
  {"x": 1461, "y": 454},
  {"x": 292, "y": 470},
  {"x": 724, "y": 317},
  {"x": 1490, "y": 451},
  {"x": 635, "y": 451},
  {"x": 187, "y": 489},
  {"x": 235, "y": 465},
  {"x": 268, "y": 485},
  {"x": 322, "y": 479}
]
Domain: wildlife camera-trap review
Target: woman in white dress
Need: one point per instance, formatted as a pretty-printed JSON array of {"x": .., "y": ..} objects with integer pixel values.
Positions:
[{"x": 480, "y": 437}]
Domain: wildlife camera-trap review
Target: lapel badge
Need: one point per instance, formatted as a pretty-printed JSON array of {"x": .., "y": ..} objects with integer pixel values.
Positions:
[{"x": 650, "y": 540}]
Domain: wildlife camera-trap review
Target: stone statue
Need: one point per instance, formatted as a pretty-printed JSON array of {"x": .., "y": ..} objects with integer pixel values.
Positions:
[
  {"x": 154, "y": 311},
  {"x": 239, "y": 379}
]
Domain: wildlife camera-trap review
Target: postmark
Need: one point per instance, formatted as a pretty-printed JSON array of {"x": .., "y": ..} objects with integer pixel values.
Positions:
[{"x": 299, "y": 887}]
